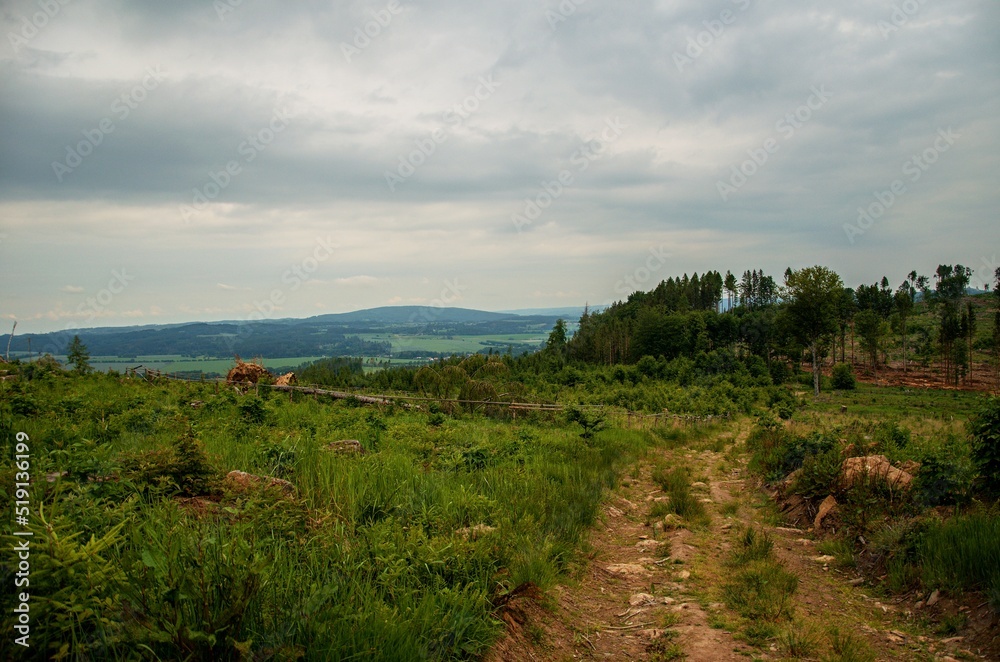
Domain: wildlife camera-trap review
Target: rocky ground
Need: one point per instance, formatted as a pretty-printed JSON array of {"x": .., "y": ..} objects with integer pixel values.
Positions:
[{"x": 652, "y": 587}]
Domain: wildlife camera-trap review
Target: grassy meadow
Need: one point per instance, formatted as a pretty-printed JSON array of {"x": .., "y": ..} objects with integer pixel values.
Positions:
[{"x": 143, "y": 550}]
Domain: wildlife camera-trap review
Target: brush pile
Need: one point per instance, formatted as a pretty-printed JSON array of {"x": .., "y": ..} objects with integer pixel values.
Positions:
[
  {"x": 246, "y": 373},
  {"x": 288, "y": 379}
]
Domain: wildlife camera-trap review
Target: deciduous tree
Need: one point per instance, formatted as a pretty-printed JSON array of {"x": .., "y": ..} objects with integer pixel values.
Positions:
[{"x": 813, "y": 294}]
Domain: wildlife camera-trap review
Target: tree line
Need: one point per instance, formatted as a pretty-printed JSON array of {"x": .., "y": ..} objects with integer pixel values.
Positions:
[{"x": 810, "y": 314}]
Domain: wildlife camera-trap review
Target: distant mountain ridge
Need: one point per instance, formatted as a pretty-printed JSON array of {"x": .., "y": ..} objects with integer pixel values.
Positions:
[{"x": 333, "y": 334}]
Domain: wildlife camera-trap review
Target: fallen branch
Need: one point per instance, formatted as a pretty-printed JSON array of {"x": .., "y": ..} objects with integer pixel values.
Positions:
[{"x": 627, "y": 627}]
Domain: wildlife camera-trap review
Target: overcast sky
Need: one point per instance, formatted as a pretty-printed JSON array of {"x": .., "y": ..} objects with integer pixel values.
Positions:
[{"x": 200, "y": 160}]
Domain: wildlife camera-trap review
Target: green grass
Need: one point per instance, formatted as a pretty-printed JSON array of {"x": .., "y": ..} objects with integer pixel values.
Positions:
[
  {"x": 898, "y": 402},
  {"x": 177, "y": 363},
  {"x": 458, "y": 344},
  {"x": 964, "y": 553},
  {"x": 369, "y": 558},
  {"x": 840, "y": 549},
  {"x": 759, "y": 589},
  {"x": 676, "y": 484},
  {"x": 845, "y": 647}
]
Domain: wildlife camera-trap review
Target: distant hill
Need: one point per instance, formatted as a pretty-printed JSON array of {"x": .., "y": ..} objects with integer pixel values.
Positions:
[
  {"x": 408, "y": 315},
  {"x": 337, "y": 334},
  {"x": 569, "y": 313}
]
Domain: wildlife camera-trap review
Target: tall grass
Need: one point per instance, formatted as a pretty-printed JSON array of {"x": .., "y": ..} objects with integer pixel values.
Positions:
[
  {"x": 371, "y": 557},
  {"x": 760, "y": 589},
  {"x": 963, "y": 553},
  {"x": 676, "y": 484}
]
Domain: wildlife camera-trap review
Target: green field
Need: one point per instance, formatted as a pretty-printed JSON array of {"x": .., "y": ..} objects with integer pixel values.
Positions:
[
  {"x": 174, "y": 363},
  {"x": 437, "y": 344}
]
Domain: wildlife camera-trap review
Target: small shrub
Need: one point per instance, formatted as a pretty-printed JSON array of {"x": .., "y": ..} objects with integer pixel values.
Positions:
[
  {"x": 848, "y": 648},
  {"x": 964, "y": 553},
  {"x": 819, "y": 474},
  {"x": 779, "y": 372},
  {"x": 183, "y": 469},
  {"x": 253, "y": 411},
  {"x": 843, "y": 378},
  {"x": 22, "y": 404},
  {"x": 761, "y": 591},
  {"x": 276, "y": 459},
  {"x": 591, "y": 423},
  {"x": 754, "y": 545},
  {"x": 984, "y": 429},
  {"x": 676, "y": 483},
  {"x": 942, "y": 480},
  {"x": 799, "y": 641}
]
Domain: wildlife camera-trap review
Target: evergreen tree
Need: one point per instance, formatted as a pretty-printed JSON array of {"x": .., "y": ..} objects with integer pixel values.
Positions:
[{"x": 78, "y": 356}]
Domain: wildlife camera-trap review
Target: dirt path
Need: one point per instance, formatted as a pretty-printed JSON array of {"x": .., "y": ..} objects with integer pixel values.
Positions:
[{"x": 653, "y": 592}]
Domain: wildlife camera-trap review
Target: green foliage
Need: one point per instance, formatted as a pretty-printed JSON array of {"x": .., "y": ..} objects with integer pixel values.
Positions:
[
  {"x": 846, "y": 647},
  {"x": 74, "y": 585},
  {"x": 963, "y": 553},
  {"x": 843, "y": 377},
  {"x": 676, "y": 485},
  {"x": 253, "y": 410},
  {"x": 984, "y": 429},
  {"x": 820, "y": 472},
  {"x": 944, "y": 477},
  {"x": 753, "y": 545},
  {"x": 397, "y": 554},
  {"x": 591, "y": 423},
  {"x": 78, "y": 356},
  {"x": 761, "y": 591},
  {"x": 183, "y": 469},
  {"x": 190, "y": 586},
  {"x": 775, "y": 452}
]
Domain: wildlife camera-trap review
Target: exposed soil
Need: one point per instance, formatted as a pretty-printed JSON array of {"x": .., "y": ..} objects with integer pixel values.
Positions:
[
  {"x": 982, "y": 378},
  {"x": 647, "y": 588}
]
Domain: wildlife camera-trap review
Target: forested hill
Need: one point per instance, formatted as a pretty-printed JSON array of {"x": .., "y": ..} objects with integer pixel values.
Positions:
[
  {"x": 324, "y": 335},
  {"x": 712, "y": 318}
]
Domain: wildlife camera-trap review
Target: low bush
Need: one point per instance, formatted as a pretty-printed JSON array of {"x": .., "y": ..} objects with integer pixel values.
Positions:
[
  {"x": 843, "y": 378},
  {"x": 984, "y": 430},
  {"x": 963, "y": 553}
]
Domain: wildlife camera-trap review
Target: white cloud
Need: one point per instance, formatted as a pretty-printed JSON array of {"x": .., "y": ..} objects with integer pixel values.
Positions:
[
  {"x": 359, "y": 281},
  {"x": 323, "y": 174}
]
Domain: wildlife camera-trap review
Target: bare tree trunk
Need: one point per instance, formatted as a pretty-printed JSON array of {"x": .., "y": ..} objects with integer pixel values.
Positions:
[
  {"x": 852, "y": 342},
  {"x": 904, "y": 345},
  {"x": 10, "y": 339},
  {"x": 815, "y": 371}
]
